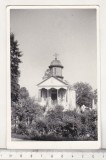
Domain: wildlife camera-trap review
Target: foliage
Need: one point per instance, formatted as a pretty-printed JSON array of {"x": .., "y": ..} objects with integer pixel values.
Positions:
[
  {"x": 95, "y": 96},
  {"x": 25, "y": 111},
  {"x": 34, "y": 122},
  {"x": 47, "y": 74},
  {"x": 15, "y": 73},
  {"x": 84, "y": 94},
  {"x": 56, "y": 124},
  {"x": 23, "y": 92}
]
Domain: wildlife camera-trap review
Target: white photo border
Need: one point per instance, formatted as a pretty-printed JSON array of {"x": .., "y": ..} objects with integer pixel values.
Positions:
[{"x": 50, "y": 144}]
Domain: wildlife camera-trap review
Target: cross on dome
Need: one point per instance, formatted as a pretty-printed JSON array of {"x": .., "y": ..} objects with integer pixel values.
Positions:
[
  {"x": 55, "y": 55},
  {"x": 55, "y": 62}
]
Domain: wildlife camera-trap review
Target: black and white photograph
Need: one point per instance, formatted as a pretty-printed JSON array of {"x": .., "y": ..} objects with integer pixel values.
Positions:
[{"x": 54, "y": 82}]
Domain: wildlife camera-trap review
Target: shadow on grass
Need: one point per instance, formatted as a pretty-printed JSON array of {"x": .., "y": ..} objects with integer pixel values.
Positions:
[{"x": 19, "y": 137}]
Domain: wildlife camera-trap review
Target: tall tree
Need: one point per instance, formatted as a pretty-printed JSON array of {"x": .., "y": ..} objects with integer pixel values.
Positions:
[
  {"x": 84, "y": 94},
  {"x": 47, "y": 74},
  {"x": 15, "y": 54}
]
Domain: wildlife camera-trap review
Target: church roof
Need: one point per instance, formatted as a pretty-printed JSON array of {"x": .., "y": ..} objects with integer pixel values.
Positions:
[
  {"x": 54, "y": 78},
  {"x": 56, "y": 62}
]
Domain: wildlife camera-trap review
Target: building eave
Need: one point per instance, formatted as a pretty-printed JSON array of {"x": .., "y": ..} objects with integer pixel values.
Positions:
[{"x": 53, "y": 77}]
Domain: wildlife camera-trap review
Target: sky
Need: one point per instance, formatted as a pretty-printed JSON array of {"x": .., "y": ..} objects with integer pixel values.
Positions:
[{"x": 43, "y": 32}]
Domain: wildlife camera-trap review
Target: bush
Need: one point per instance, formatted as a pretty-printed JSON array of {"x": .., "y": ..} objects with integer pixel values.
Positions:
[
  {"x": 57, "y": 124},
  {"x": 21, "y": 128}
]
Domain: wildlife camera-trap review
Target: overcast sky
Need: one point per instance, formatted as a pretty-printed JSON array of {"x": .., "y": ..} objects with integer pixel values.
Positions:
[{"x": 43, "y": 32}]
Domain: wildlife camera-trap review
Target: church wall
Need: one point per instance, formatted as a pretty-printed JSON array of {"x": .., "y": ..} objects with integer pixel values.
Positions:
[
  {"x": 72, "y": 99},
  {"x": 59, "y": 71},
  {"x": 65, "y": 97},
  {"x": 42, "y": 96},
  {"x": 55, "y": 91},
  {"x": 56, "y": 71},
  {"x": 62, "y": 97}
]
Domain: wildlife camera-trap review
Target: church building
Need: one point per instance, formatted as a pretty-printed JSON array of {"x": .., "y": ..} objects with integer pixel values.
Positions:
[{"x": 54, "y": 90}]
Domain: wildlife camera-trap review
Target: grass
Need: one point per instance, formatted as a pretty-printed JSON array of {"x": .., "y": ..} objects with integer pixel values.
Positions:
[
  {"x": 20, "y": 137},
  {"x": 16, "y": 137}
]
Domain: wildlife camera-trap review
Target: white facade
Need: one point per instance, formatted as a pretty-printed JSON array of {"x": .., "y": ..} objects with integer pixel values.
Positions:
[{"x": 54, "y": 91}]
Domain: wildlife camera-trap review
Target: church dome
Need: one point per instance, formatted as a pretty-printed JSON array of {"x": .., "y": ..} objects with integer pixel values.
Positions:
[
  {"x": 55, "y": 63},
  {"x": 56, "y": 68}
]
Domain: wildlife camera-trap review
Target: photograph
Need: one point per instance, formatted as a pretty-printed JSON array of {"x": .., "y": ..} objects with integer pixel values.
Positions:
[{"x": 54, "y": 75}]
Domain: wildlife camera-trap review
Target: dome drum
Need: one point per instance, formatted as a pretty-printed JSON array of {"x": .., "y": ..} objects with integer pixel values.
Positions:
[{"x": 56, "y": 68}]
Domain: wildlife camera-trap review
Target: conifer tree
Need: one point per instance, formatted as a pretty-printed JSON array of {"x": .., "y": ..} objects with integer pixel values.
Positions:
[{"x": 15, "y": 54}]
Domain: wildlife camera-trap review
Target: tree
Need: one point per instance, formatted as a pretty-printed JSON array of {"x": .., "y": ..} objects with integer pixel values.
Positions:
[
  {"x": 30, "y": 110},
  {"x": 23, "y": 92},
  {"x": 15, "y": 54},
  {"x": 95, "y": 96},
  {"x": 47, "y": 74},
  {"x": 84, "y": 94}
]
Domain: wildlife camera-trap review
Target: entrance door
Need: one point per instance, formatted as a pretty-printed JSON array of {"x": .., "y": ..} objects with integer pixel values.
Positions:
[{"x": 54, "y": 96}]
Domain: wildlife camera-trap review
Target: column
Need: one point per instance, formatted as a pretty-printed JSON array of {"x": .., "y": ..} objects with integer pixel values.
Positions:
[
  {"x": 73, "y": 99},
  {"x": 65, "y": 96},
  {"x": 57, "y": 96},
  {"x": 47, "y": 97},
  {"x": 39, "y": 95},
  {"x": 66, "y": 99}
]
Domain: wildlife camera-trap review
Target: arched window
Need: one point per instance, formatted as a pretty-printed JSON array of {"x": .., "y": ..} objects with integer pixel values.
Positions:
[
  {"x": 44, "y": 93},
  {"x": 62, "y": 92}
]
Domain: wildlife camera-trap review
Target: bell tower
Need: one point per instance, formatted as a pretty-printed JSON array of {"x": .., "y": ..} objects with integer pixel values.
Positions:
[{"x": 56, "y": 68}]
